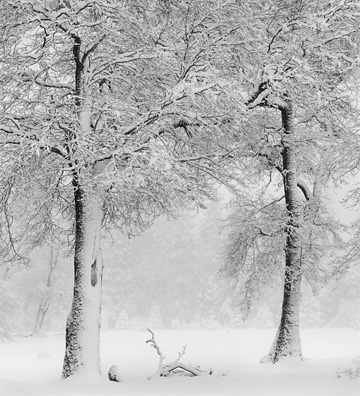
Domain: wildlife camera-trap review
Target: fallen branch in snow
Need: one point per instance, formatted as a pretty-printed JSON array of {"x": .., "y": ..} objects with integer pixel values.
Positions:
[{"x": 176, "y": 367}]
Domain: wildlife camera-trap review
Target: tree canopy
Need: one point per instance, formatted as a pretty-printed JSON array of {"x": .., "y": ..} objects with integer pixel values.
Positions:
[{"x": 115, "y": 112}]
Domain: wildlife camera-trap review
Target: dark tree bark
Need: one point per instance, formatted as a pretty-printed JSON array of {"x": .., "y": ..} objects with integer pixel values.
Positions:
[
  {"x": 83, "y": 323},
  {"x": 82, "y": 350},
  {"x": 287, "y": 341}
]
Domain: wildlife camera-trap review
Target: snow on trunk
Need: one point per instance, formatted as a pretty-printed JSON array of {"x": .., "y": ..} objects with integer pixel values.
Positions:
[
  {"x": 83, "y": 323},
  {"x": 287, "y": 340}
]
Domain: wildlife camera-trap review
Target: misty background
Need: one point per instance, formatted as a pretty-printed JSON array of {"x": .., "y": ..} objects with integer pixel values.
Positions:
[{"x": 169, "y": 277}]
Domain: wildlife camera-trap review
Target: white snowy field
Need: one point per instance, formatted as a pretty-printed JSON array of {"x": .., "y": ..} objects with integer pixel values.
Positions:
[{"x": 32, "y": 365}]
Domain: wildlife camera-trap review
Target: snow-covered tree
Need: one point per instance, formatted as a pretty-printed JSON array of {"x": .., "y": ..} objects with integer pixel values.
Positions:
[
  {"x": 303, "y": 54},
  {"x": 111, "y": 114}
]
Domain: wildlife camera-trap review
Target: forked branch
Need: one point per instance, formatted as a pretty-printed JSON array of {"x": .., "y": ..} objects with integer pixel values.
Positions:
[{"x": 176, "y": 367}]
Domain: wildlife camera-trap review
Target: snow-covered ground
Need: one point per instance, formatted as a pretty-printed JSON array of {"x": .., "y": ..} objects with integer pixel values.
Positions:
[{"x": 32, "y": 365}]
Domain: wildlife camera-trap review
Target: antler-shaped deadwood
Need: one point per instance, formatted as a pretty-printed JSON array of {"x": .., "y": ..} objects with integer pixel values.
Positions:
[
  {"x": 176, "y": 367},
  {"x": 154, "y": 344}
]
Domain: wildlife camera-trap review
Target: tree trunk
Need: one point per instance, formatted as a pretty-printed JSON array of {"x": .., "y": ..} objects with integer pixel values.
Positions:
[
  {"x": 47, "y": 294},
  {"x": 287, "y": 340},
  {"x": 83, "y": 323}
]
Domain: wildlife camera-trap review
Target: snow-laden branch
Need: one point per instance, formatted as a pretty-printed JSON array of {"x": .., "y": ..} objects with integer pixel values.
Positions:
[
  {"x": 258, "y": 98},
  {"x": 92, "y": 49},
  {"x": 23, "y": 134},
  {"x": 123, "y": 59},
  {"x": 153, "y": 116},
  {"x": 148, "y": 119},
  {"x": 208, "y": 157},
  {"x": 53, "y": 85},
  {"x": 301, "y": 183},
  {"x": 265, "y": 96}
]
